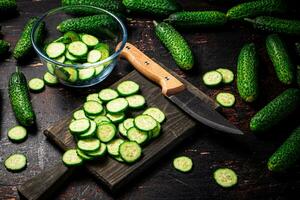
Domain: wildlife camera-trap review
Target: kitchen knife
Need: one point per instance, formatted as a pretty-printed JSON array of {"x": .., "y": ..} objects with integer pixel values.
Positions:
[{"x": 176, "y": 91}]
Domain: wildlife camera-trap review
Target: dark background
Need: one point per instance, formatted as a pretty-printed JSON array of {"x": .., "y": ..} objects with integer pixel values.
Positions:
[{"x": 213, "y": 48}]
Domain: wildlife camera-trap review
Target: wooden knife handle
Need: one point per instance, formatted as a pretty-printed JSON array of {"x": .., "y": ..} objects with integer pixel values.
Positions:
[
  {"x": 153, "y": 71},
  {"x": 45, "y": 183}
]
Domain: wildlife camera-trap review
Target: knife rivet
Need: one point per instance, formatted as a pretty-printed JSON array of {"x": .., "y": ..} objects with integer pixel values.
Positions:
[
  {"x": 127, "y": 47},
  {"x": 167, "y": 78},
  {"x": 147, "y": 63}
]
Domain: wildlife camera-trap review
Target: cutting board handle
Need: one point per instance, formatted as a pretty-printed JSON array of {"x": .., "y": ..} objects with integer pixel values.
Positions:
[{"x": 153, "y": 71}]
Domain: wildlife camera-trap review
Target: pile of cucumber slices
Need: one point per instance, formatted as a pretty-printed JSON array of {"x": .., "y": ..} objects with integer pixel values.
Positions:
[{"x": 104, "y": 124}]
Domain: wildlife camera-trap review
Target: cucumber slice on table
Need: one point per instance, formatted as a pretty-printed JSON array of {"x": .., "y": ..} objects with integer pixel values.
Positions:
[
  {"x": 89, "y": 40},
  {"x": 130, "y": 151},
  {"x": 50, "y": 79},
  {"x": 86, "y": 73},
  {"x": 212, "y": 78},
  {"x": 17, "y": 134},
  {"x": 98, "y": 153},
  {"x": 92, "y": 108},
  {"x": 225, "y": 177},
  {"x": 78, "y": 48},
  {"x": 127, "y": 88},
  {"x": 94, "y": 56},
  {"x": 225, "y": 99},
  {"x": 113, "y": 146},
  {"x": 156, "y": 131},
  {"x": 117, "y": 105},
  {"x": 93, "y": 97},
  {"x": 122, "y": 129},
  {"x": 137, "y": 135},
  {"x": 118, "y": 158},
  {"x": 116, "y": 118},
  {"x": 145, "y": 122},
  {"x": 136, "y": 101},
  {"x": 128, "y": 123},
  {"x": 55, "y": 49},
  {"x": 106, "y": 132},
  {"x": 89, "y": 145},
  {"x": 15, "y": 162},
  {"x": 156, "y": 113},
  {"x": 83, "y": 155},
  {"x": 183, "y": 164},
  {"x": 71, "y": 158},
  {"x": 108, "y": 94},
  {"x": 36, "y": 84},
  {"x": 91, "y": 132},
  {"x": 79, "y": 114},
  {"x": 227, "y": 75},
  {"x": 79, "y": 126}
]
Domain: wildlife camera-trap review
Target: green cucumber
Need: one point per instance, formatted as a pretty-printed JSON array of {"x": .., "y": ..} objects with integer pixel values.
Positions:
[
  {"x": 117, "y": 105},
  {"x": 70, "y": 36},
  {"x": 17, "y": 134},
  {"x": 227, "y": 75},
  {"x": 71, "y": 158},
  {"x": 122, "y": 129},
  {"x": 15, "y": 162},
  {"x": 4, "y": 47},
  {"x": 88, "y": 145},
  {"x": 156, "y": 113},
  {"x": 116, "y": 118},
  {"x": 8, "y": 6},
  {"x": 280, "y": 58},
  {"x": 89, "y": 40},
  {"x": 36, "y": 84},
  {"x": 55, "y": 49},
  {"x": 130, "y": 151},
  {"x": 106, "y": 132},
  {"x": 176, "y": 44},
  {"x": 50, "y": 79},
  {"x": 79, "y": 114},
  {"x": 225, "y": 177},
  {"x": 275, "y": 111},
  {"x": 113, "y": 146},
  {"x": 79, "y": 126},
  {"x": 137, "y": 135},
  {"x": 83, "y": 155},
  {"x": 127, "y": 88},
  {"x": 247, "y": 81},
  {"x": 212, "y": 78},
  {"x": 98, "y": 153},
  {"x": 145, "y": 122},
  {"x": 136, "y": 101},
  {"x": 225, "y": 99},
  {"x": 183, "y": 164}
]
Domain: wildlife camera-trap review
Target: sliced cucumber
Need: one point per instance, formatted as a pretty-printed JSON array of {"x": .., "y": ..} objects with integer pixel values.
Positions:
[
  {"x": 118, "y": 158},
  {"x": 117, "y": 105},
  {"x": 17, "y": 134},
  {"x": 60, "y": 59},
  {"x": 89, "y": 145},
  {"x": 70, "y": 36},
  {"x": 92, "y": 108},
  {"x": 156, "y": 113},
  {"x": 128, "y": 123},
  {"x": 50, "y": 79},
  {"x": 136, "y": 101},
  {"x": 183, "y": 164},
  {"x": 225, "y": 177},
  {"x": 130, "y": 151},
  {"x": 94, "y": 56},
  {"x": 71, "y": 158},
  {"x": 62, "y": 73},
  {"x": 89, "y": 40},
  {"x": 156, "y": 131},
  {"x": 227, "y": 75},
  {"x": 116, "y": 118},
  {"x": 98, "y": 69},
  {"x": 98, "y": 153},
  {"x": 212, "y": 78},
  {"x": 91, "y": 132},
  {"x": 145, "y": 122},
  {"x": 70, "y": 56},
  {"x": 113, "y": 146},
  {"x": 108, "y": 94},
  {"x": 15, "y": 162},
  {"x": 93, "y": 97},
  {"x": 78, "y": 48},
  {"x": 86, "y": 73},
  {"x": 36, "y": 84},
  {"x": 225, "y": 99},
  {"x": 101, "y": 119},
  {"x": 137, "y": 135},
  {"x": 79, "y": 114},
  {"x": 69, "y": 62},
  {"x": 122, "y": 129},
  {"x": 79, "y": 126},
  {"x": 55, "y": 49},
  {"x": 83, "y": 155},
  {"x": 127, "y": 88},
  {"x": 50, "y": 67},
  {"x": 67, "y": 74},
  {"x": 106, "y": 132}
]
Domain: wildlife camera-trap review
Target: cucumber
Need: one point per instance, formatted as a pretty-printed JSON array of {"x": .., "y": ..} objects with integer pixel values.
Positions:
[
  {"x": 70, "y": 36},
  {"x": 17, "y": 134},
  {"x": 117, "y": 105},
  {"x": 79, "y": 114},
  {"x": 89, "y": 133},
  {"x": 287, "y": 154},
  {"x": 255, "y": 8},
  {"x": 106, "y": 132},
  {"x": 98, "y": 153},
  {"x": 225, "y": 99},
  {"x": 55, "y": 49},
  {"x": 89, "y": 40},
  {"x": 108, "y": 94},
  {"x": 280, "y": 58},
  {"x": 130, "y": 152},
  {"x": 20, "y": 100},
  {"x": 71, "y": 158},
  {"x": 93, "y": 97},
  {"x": 36, "y": 84},
  {"x": 136, "y": 101},
  {"x": 127, "y": 88},
  {"x": 98, "y": 69},
  {"x": 247, "y": 80},
  {"x": 113, "y": 146},
  {"x": 153, "y": 7},
  {"x": 122, "y": 129},
  {"x": 79, "y": 126},
  {"x": 212, "y": 78},
  {"x": 104, "y": 50},
  {"x": 156, "y": 113},
  {"x": 4, "y": 48},
  {"x": 176, "y": 44},
  {"x": 156, "y": 131},
  {"x": 70, "y": 57},
  {"x": 128, "y": 123},
  {"x": 116, "y": 118},
  {"x": 137, "y": 135},
  {"x": 67, "y": 74},
  {"x": 197, "y": 19},
  {"x": 78, "y": 48},
  {"x": 100, "y": 119},
  {"x": 24, "y": 46},
  {"x": 227, "y": 75},
  {"x": 275, "y": 111},
  {"x": 94, "y": 56},
  {"x": 15, "y": 162},
  {"x": 145, "y": 122},
  {"x": 83, "y": 155},
  {"x": 225, "y": 177},
  {"x": 85, "y": 74},
  {"x": 8, "y": 6},
  {"x": 88, "y": 145},
  {"x": 92, "y": 108},
  {"x": 50, "y": 79},
  {"x": 183, "y": 164}
]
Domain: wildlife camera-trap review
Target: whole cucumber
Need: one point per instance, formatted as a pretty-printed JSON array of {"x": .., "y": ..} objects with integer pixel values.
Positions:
[
  {"x": 247, "y": 81},
  {"x": 278, "y": 54},
  {"x": 255, "y": 8},
  {"x": 176, "y": 44},
  {"x": 4, "y": 47},
  {"x": 277, "y": 25},
  {"x": 20, "y": 100},
  {"x": 7, "y": 6},
  {"x": 197, "y": 18},
  {"x": 275, "y": 111},
  {"x": 287, "y": 154}
]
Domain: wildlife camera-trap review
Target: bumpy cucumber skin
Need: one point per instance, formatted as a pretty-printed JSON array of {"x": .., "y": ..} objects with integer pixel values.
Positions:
[
  {"x": 197, "y": 18},
  {"x": 287, "y": 154},
  {"x": 255, "y": 8},
  {"x": 154, "y": 7},
  {"x": 7, "y": 6},
  {"x": 89, "y": 24},
  {"x": 278, "y": 54},
  {"x": 24, "y": 46},
  {"x": 277, "y": 25},
  {"x": 4, "y": 47},
  {"x": 20, "y": 100},
  {"x": 275, "y": 111},
  {"x": 176, "y": 44},
  {"x": 247, "y": 81}
]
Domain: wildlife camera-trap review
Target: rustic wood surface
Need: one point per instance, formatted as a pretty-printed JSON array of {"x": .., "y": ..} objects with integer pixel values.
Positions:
[{"x": 209, "y": 150}]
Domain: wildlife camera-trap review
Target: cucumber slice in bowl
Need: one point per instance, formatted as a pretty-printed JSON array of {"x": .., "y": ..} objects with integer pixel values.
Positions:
[
  {"x": 212, "y": 78},
  {"x": 183, "y": 164},
  {"x": 130, "y": 151},
  {"x": 78, "y": 48},
  {"x": 86, "y": 73},
  {"x": 17, "y": 134},
  {"x": 94, "y": 56},
  {"x": 117, "y": 105},
  {"x": 55, "y": 49},
  {"x": 145, "y": 122},
  {"x": 225, "y": 177},
  {"x": 88, "y": 145},
  {"x": 15, "y": 162},
  {"x": 89, "y": 40},
  {"x": 36, "y": 84},
  {"x": 225, "y": 99},
  {"x": 71, "y": 158},
  {"x": 127, "y": 88}
]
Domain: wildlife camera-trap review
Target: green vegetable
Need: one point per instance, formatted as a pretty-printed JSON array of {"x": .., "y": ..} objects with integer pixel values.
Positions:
[
  {"x": 275, "y": 111},
  {"x": 247, "y": 82},
  {"x": 36, "y": 84},
  {"x": 24, "y": 46},
  {"x": 255, "y": 8},
  {"x": 279, "y": 56},
  {"x": 7, "y": 6},
  {"x": 71, "y": 158},
  {"x": 287, "y": 154},
  {"x": 16, "y": 162},
  {"x": 17, "y": 134},
  {"x": 225, "y": 99},
  {"x": 278, "y": 25},
  {"x": 4, "y": 47},
  {"x": 183, "y": 164},
  {"x": 20, "y": 100},
  {"x": 197, "y": 18},
  {"x": 176, "y": 44},
  {"x": 153, "y": 7},
  {"x": 225, "y": 177}
]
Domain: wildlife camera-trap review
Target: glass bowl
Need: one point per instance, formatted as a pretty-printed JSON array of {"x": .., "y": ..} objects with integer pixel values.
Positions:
[{"x": 66, "y": 72}]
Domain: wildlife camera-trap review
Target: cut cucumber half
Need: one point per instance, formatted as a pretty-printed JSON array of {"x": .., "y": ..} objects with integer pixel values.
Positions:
[
  {"x": 98, "y": 153},
  {"x": 55, "y": 49},
  {"x": 136, "y": 101},
  {"x": 137, "y": 135},
  {"x": 94, "y": 56},
  {"x": 117, "y": 105},
  {"x": 106, "y": 132},
  {"x": 130, "y": 151},
  {"x": 88, "y": 145},
  {"x": 156, "y": 113},
  {"x": 98, "y": 69},
  {"x": 113, "y": 146},
  {"x": 225, "y": 99},
  {"x": 183, "y": 164},
  {"x": 79, "y": 114},
  {"x": 127, "y": 88},
  {"x": 122, "y": 129},
  {"x": 91, "y": 132},
  {"x": 225, "y": 177},
  {"x": 128, "y": 123},
  {"x": 101, "y": 119},
  {"x": 15, "y": 162},
  {"x": 108, "y": 94},
  {"x": 92, "y": 108},
  {"x": 227, "y": 75},
  {"x": 36, "y": 84},
  {"x": 79, "y": 126},
  {"x": 83, "y": 155},
  {"x": 17, "y": 134},
  {"x": 86, "y": 73},
  {"x": 93, "y": 97},
  {"x": 50, "y": 79},
  {"x": 212, "y": 78},
  {"x": 116, "y": 118},
  {"x": 89, "y": 40},
  {"x": 71, "y": 158},
  {"x": 78, "y": 48},
  {"x": 145, "y": 122}
]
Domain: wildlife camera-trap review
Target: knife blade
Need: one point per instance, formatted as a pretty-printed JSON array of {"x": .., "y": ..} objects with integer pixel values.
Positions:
[{"x": 177, "y": 92}]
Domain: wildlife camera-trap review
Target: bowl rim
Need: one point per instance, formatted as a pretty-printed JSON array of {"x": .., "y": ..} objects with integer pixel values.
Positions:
[{"x": 119, "y": 46}]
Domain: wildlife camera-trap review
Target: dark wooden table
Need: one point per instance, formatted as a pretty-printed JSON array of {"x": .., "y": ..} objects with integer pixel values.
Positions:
[{"x": 209, "y": 150}]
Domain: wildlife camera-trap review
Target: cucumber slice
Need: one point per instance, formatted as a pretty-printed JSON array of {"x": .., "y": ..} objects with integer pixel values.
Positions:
[
  {"x": 62, "y": 73},
  {"x": 69, "y": 62},
  {"x": 212, "y": 78},
  {"x": 106, "y": 132},
  {"x": 78, "y": 48},
  {"x": 91, "y": 132},
  {"x": 127, "y": 88},
  {"x": 55, "y": 49},
  {"x": 130, "y": 151},
  {"x": 79, "y": 126},
  {"x": 225, "y": 177},
  {"x": 71, "y": 158},
  {"x": 92, "y": 108},
  {"x": 94, "y": 56},
  {"x": 183, "y": 164},
  {"x": 145, "y": 122},
  {"x": 15, "y": 162},
  {"x": 70, "y": 36},
  {"x": 122, "y": 129},
  {"x": 67, "y": 74},
  {"x": 93, "y": 97},
  {"x": 116, "y": 118},
  {"x": 101, "y": 119},
  {"x": 155, "y": 132},
  {"x": 118, "y": 158},
  {"x": 88, "y": 145},
  {"x": 156, "y": 113},
  {"x": 83, "y": 155},
  {"x": 98, "y": 69},
  {"x": 227, "y": 75},
  {"x": 108, "y": 94},
  {"x": 89, "y": 40},
  {"x": 128, "y": 123},
  {"x": 79, "y": 114},
  {"x": 137, "y": 135},
  {"x": 104, "y": 49},
  {"x": 17, "y": 134},
  {"x": 98, "y": 153},
  {"x": 36, "y": 84},
  {"x": 136, "y": 101},
  {"x": 50, "y": 79},
  {"x": 50, "y": 67},
  {"x": 60, "y": 59},
  {"x": 117, "y": 105},
  {"x": 225, "y": 99},
  {"x": 113, "y": 146},
  {"x": 70, "y": 56},
  {"x": 86, "y": 73}
]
